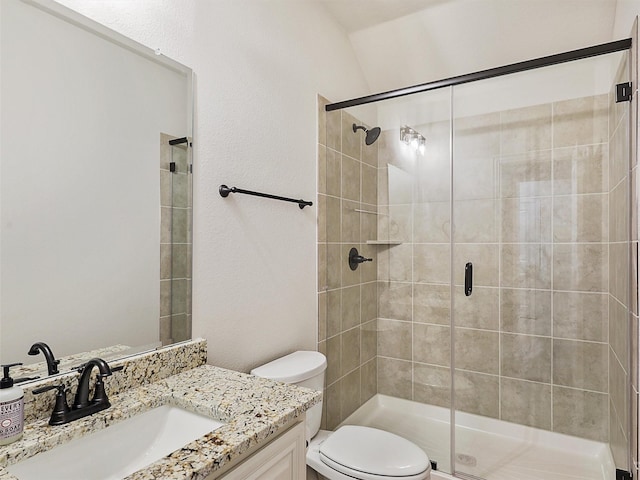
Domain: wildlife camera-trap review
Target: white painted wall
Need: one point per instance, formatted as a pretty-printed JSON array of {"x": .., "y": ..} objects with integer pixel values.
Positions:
[
  {"x": 259, "y": 65},
  {"x": 626, "y": 12},
  {"x": 456, "y": 37}
]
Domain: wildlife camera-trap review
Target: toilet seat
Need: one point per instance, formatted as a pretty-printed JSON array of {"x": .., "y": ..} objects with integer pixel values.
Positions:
[{"x": 371, "y": 454}]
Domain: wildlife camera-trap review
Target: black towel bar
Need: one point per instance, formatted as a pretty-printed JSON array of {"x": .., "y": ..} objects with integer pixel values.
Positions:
[{"x": 225, "y": 191}]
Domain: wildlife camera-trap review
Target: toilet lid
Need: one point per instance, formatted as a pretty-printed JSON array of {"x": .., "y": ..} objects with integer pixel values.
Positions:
[{"x": 372, "y": 451}]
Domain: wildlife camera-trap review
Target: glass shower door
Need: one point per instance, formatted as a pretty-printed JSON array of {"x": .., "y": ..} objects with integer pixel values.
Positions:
[{"x": 540, "y": 261}]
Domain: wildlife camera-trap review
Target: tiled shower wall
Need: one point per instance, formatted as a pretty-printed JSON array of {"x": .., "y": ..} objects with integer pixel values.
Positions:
[
  {"x": 347, "y": 299},
  {"x": 530, "y": 212},
  {"x": 619, "y": 261},
  {"x": 175, "y": 243},
  {"x": 540, "y": 210}
]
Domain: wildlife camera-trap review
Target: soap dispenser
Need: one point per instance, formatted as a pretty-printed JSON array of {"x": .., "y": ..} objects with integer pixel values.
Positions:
[{"x": 11, "y": 408}]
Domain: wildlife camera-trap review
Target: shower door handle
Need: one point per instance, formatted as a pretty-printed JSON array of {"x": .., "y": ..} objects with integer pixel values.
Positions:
[{"x": 468, "y": 278}]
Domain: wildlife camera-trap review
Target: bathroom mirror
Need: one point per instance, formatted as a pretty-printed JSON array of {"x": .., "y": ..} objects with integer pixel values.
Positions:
[{"x": 95, "y": 204}]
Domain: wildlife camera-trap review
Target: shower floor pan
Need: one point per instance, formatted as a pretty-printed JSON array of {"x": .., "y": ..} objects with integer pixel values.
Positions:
[{"x": 487, "y": 448}]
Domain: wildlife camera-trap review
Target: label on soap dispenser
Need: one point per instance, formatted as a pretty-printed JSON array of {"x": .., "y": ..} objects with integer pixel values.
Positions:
[{"x": 11, "y": 417}]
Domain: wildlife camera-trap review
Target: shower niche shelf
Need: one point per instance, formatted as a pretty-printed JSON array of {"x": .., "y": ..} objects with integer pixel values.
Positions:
[{"x": 384, "y": 242}]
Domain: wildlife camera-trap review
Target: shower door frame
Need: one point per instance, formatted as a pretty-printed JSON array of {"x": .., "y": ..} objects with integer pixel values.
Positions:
[{"x": 579, "y": 54}]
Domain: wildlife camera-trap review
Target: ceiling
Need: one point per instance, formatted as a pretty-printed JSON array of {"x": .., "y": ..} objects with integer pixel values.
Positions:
[
  {"x": 356, "y": 15},
  {"x": 407, "y": 42}
]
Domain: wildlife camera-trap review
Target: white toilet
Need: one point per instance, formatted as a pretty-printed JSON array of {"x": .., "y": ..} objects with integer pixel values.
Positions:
[{"x": 351, "y": 451}]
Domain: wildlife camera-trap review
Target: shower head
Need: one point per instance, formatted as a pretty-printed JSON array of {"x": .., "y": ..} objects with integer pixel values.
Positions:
[{"x": 372, "y": 134}]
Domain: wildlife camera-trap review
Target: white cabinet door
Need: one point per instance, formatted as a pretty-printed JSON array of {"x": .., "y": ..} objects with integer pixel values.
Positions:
[{"x": 282, "y": 459}]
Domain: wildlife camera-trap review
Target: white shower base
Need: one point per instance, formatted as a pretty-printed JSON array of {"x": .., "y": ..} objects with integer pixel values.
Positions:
[{"x": 501, "y": 450}]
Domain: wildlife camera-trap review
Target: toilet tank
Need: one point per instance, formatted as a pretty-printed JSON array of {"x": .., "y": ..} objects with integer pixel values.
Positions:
[{"x": 302, "y": 368}]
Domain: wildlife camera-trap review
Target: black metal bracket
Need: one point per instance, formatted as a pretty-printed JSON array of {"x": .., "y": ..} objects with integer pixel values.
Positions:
[
  {"x": 623, "y": 92},
  {"x": 178, "y": 141},
  {"x": 225, "y": 191},
  {"x": 623, "y": 475},
  {"x": 172, "y": 166}
]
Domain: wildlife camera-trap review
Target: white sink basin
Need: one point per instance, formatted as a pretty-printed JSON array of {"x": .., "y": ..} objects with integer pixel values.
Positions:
[{"x": 119, "y": 450}]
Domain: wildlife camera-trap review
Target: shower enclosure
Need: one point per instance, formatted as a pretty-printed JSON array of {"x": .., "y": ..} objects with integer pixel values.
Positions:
[{"x": 492, "y": 326}]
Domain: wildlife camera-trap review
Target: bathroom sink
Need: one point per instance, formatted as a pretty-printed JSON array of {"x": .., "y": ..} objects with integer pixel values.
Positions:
[{"x": 118, "y": 450}]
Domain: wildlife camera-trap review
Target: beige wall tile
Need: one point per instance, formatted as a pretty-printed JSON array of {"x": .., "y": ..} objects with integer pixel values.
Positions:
[
  {"x": 617, "y": 441},
  {"x": 432, "y": 385},
  {"x": 332, "y": 406},
  {"x": 526, "y": 219},
  {"x": 368, "y": 341},
  {"x": 580, "y": 364},
  {"x": 475, "y": 177},
  {"x": 618, "y": 271},
  {"x": 322, "y": 316},
  {"x": 369, "y": 153},
  {"x": 618, "y": 381},
  {"x": 431, "y": 222},
  {"x": 477, "y": 350},
  {"x": 581, "y": 218},
  {"x": 400, "y": 223},
  {"x": 334, "y": 130},
  {"x": 431, "y": 303},
  {"x": 485, "y": 263},
  {"x": 432, "y": 344},
  {"x": 334, "y": 173},
  {"x": 525, "y": 357},
  {"x": 581, "y": 121},
  {"x": 350, "y": 222},
  {"x": 475, "y": 221},
  {"x": 525, "y": 403},
  {"x": 334, "y": 354},
  {"x": 334, "y": 312},
  {"x": 333, "y": 219},
  {"x": 619, "y": 212},
  {"x": 368, "y": 271},
  {"x": 368, "y": 302},
  {"x": 368, "y": 225},
  {"x": 394, "y": 339},
  {"x": 526, "y": 265},
  {"x": 580, "y": 267},
  {"x": 334, "y": 266},
  {"x": 619, "y": 153},
  {"x": 477, "y": 136},
  {"x": 350, "y": 351},
  {"x": 526, "y": 129},
  {"x": 350, "y": 178},
  {"x": 322, "y": 266},
  {"x": 349, "y": 277},
  {"x": 368, "y": 380},
  {"x": 400, "y": 263},
  {"x": 369, "y": 185},
  {"x": 582, "y": 169},
  {"x": 350, "y": 311},
  {"x": 350, "y": 140},
  {"x": 431, "y": 263},
  {"x": 477, "y": 393},
  {"x": 526, "y": 175},
  {"x": 322, "y": 102},
  {"x": 479, "y": 310},
  {"x": 525, "y": 311},
  {"x": 579, "y": 413},
  {"x": 395, "y": 300},
  {"x": 619, "y": 329},
  {"x": 580, "y": 316},
  {"x": 394, "y": 377},
  {"x": 321, "y": 221}
]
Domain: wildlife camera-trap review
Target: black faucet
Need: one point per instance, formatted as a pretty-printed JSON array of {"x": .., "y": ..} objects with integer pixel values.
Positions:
[
  {"x": 82, "y": 407},
  {"x": 52, "y": 363}
]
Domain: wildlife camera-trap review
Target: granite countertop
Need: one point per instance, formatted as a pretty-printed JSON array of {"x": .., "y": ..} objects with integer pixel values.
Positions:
[{"x": 254, "y": 409}]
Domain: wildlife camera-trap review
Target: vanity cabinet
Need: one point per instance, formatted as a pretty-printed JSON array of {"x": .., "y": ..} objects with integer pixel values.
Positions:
[{"x": 281, "y": 459}]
